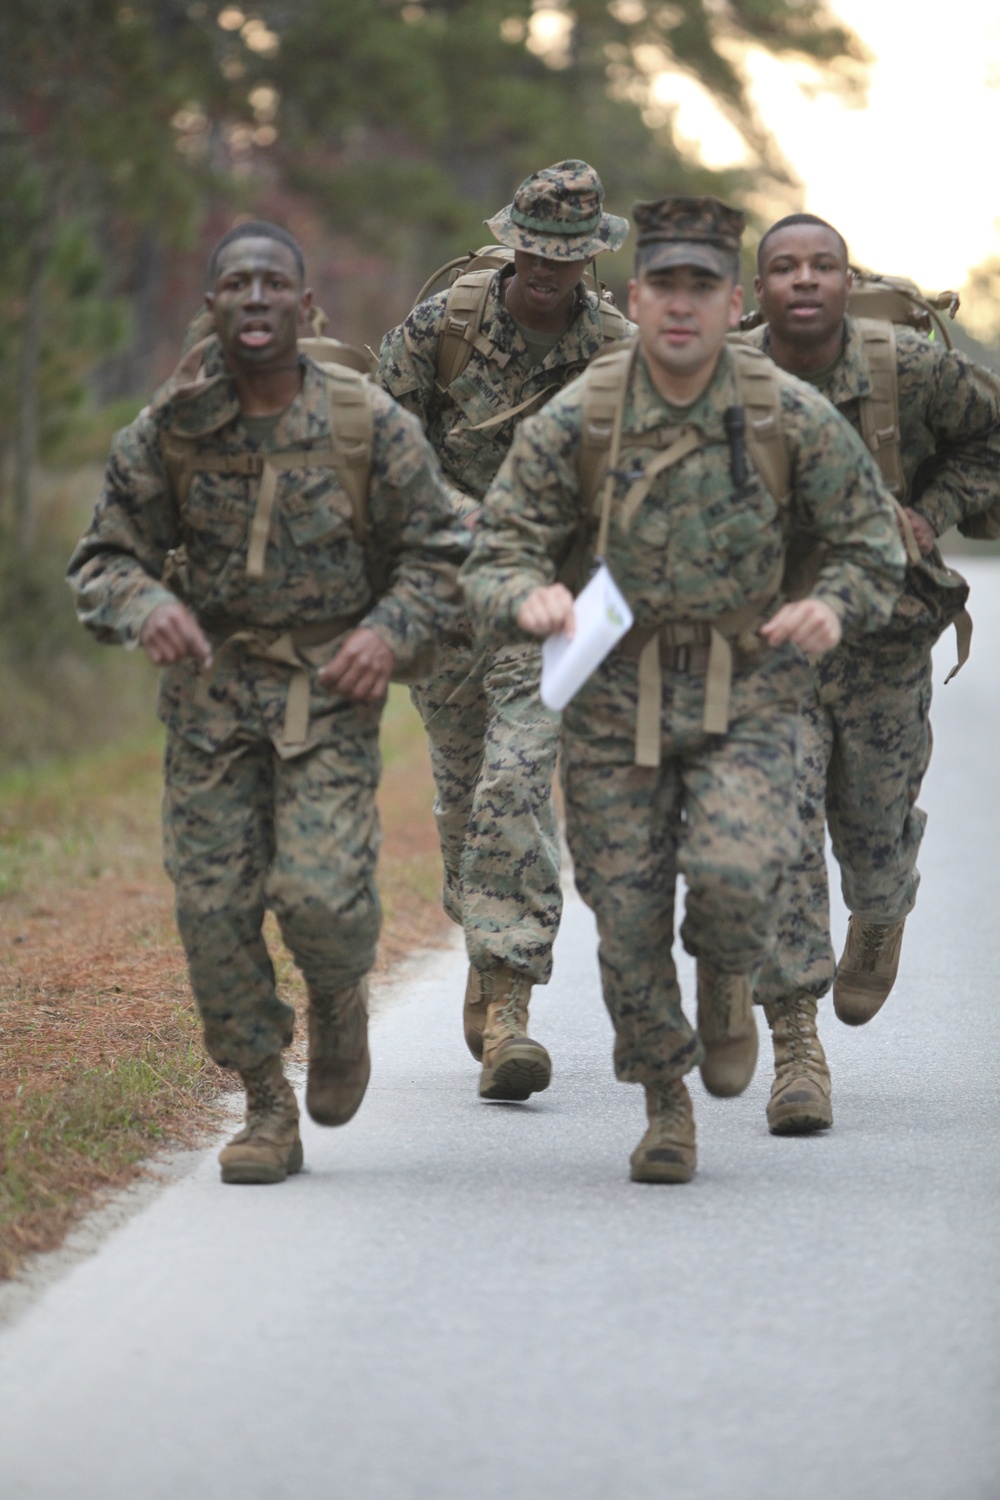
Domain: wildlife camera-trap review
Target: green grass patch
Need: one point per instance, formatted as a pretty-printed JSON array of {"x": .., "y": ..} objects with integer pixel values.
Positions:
[{"x": 60, "y": 1146}]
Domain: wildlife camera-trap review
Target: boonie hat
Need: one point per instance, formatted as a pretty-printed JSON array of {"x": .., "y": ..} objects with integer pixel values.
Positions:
[
  {"x": 557, "y": 213},
  {"x": 679, "y": 231}
]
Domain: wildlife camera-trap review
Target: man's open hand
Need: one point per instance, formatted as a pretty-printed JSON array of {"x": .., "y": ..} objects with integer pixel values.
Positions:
[
  {"x": 361, "y": 668},
  {"x": 547, "y": 611},
  {"x": 170, "y": 633},
  {"x": 807, "y": 623}
]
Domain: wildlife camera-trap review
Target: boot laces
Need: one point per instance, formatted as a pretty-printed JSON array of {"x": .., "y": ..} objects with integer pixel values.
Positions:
[
  {"x": 797, "y": 1032},
  {"x": 669, "y": 1105},
  {"x": 873, "y": 936},
  {"x": 507, "y": 1013},
  {"x": 263, "y": 1094}
]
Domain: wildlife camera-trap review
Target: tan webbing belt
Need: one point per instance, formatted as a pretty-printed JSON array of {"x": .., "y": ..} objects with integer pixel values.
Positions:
[
  {"x": 286, "y": 649},
  {"x": 716, "y": 634}
]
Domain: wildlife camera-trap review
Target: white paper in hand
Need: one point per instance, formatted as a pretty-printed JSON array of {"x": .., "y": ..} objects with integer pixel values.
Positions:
[{"x": 602, "y": 618}]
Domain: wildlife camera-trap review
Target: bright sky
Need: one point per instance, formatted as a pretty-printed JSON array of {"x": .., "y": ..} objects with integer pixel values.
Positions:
[{"x": 912, "y": 180}]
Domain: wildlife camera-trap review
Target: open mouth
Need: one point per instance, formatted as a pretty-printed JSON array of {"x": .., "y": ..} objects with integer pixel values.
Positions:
[{"x": 255, "y": 335}]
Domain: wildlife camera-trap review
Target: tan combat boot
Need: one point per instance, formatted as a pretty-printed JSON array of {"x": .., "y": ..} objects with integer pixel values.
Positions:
[
  {"x": 867, "y": 970},
  {"x": 666, "y": 1152},
  {"x": 727, "y": 1029},
  {"x": 800, "y": 1093},
  {"x": 514, "y": 1066},
  {"x": 268, "y": 1148},
  {"x": 474, "y": 1013},
  {"x": 339, "y": 1061}
]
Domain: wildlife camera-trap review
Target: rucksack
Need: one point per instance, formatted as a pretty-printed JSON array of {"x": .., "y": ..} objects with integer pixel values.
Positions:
[
  {"x": 352, "y": 426},
  {"x": 878, "y": 304},
  {"x": 890, "y": 299},
  {"x": 461, "y": 326},
  {"x": 894, "y": 299},
  {"x": 603, "y": 386}
]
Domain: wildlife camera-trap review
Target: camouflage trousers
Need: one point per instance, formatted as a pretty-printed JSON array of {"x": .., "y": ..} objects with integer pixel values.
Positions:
[
  {"x": 493, "y": 748},
  {"x": 719, "y": 810},
  {"x": 866, "y": 744},
  {"x": 245, "y": 831}
]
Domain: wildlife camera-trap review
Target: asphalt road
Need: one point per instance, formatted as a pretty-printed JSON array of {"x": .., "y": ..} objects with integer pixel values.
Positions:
[{"x": 461, "y": 1300}]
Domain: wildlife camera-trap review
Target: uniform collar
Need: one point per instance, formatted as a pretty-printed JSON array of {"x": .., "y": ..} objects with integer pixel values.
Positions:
[
  {"x": 206, "y": 406},
  {"x": 582, "y": 339},
  {"x": 650, "y": 412},
  {"x": 849, "y": 379}
]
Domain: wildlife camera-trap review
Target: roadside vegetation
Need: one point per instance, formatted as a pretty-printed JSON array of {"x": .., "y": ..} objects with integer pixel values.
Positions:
[{"x": 101, "y": 1062}]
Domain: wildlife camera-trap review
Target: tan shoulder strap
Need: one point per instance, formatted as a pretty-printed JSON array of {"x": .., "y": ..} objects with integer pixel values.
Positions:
[
  {"x": 760, "y": 394},
  {"x": 352, "y": 431},
  {"x": 614, "y": 324},
  {"x": 352, "y": 437},
  {"x": 603, "y": 385},
  {"x": 460, "y": 327},
  {"x": 326, "y": 351},
  {"x": 879, "y": 411}
]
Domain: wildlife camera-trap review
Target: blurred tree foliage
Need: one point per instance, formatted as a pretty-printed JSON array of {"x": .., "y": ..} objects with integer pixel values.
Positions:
[{"x": 402, "y": 124}]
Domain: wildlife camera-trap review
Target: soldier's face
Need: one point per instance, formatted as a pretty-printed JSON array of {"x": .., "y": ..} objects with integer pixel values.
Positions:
[
  {"x": 683, "y": 314},
  {"x": 545, "y": 286},
  {"x": 804, "y": 283},
  {"x": 257, "y": 303}
]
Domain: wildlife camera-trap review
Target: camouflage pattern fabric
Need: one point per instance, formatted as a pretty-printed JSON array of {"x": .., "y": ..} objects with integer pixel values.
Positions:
[
  {"x": 631, "y": 831},
  {"x": 867, "y": 729},
  {"x": 493, "y": 747},
  {"x": 243, "y": 831},
  {"x": 865, "y": 746},
  {"x": 511, "y": 888},
  {"x": 557, "y": 213},
  {"x": 694, "y": 550},
  {"x": 681, "y": 231},
  {"x": 470, "y": 455},
  {"x": 949, "y": 417},
  {"x": 492, "y": 743},
  {"x": 249, "y": 819}
]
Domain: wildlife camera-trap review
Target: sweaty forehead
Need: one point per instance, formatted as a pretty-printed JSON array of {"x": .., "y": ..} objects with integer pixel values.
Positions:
[
  {"x": 801, "y": 242},
  {"x": 256, "y": 254}
]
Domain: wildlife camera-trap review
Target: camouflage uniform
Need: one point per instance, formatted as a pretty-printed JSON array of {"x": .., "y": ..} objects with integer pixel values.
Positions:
[
  {"x": 270, "y": 780},
  {"x": 719, "y": 809},
  {"x": 492, "y": 742},
  {"x": 866, "y": 727}
]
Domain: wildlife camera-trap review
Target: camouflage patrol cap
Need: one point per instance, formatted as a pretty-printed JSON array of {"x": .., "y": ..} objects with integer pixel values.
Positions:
[
  {"x": 557, "y": 213},
  {"x": 679, "y": 231}
]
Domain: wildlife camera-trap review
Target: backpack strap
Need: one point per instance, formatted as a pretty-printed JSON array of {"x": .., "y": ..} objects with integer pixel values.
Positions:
[
  {"x": 461, "y": 326},
  {"x": 879, "y": 411},
  {"x": 325, "y": 351},
  {"x": 604, "y": 385},
  {"x": 352, "y": 438},
  {"x": 349, "y": 452},
  {"x": 614, "y": 324},
  {"x": 758, "y": 382}
]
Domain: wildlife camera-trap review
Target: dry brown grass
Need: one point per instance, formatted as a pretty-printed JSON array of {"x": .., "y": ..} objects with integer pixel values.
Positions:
[{"x": 101, "y": 1062}]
